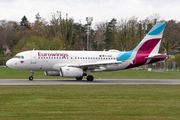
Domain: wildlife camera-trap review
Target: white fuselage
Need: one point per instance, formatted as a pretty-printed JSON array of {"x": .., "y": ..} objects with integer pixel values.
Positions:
[{"x": 44, "y": 60}]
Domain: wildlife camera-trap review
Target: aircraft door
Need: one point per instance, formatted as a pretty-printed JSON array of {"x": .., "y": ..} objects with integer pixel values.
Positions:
[
  {"x": 33, "y": 58},
  {"x": 73, "y": 58}
]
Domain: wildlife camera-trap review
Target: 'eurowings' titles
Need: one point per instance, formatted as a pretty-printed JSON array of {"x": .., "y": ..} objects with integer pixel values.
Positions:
[{"x": 52, "y": 54}]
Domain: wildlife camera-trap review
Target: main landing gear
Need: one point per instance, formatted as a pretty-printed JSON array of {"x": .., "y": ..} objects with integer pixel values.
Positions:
[
  {"x": 31, "y": 77},
  {"x": 79, "y": 78},
  {"x": 89, "y": 78}
]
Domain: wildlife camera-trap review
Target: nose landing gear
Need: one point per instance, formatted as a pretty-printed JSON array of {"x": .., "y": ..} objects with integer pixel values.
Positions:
[{"x": 31, "y": 77}]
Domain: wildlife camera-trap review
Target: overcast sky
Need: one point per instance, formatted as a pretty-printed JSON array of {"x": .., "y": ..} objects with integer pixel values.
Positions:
[{"x": 100, "y": 10}]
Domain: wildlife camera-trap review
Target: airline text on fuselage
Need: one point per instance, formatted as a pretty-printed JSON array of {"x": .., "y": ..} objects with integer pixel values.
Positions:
[{"x": 52, "y": 54}]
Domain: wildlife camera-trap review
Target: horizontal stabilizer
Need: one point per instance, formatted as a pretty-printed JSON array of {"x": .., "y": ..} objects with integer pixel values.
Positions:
[{"x": 156, "y": 57}]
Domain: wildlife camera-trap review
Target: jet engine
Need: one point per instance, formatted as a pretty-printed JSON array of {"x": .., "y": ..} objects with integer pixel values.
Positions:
[
  {"x": 52, "y": 73},
  {"x": 71, "y": 72}
]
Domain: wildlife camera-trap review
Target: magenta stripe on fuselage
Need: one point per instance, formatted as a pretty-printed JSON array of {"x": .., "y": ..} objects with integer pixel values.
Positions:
[{"x": 144, "y": 52}]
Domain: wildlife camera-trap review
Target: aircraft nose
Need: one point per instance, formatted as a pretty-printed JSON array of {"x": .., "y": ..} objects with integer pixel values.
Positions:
[{"x": 8, "y": 63}]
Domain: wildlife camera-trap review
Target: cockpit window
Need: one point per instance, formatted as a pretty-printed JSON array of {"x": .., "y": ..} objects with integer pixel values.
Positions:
[{"x": 18, "y": 56}]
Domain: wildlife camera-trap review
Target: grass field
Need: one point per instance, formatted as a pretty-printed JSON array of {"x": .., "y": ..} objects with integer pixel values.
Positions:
[
  {"x": 87, "y": 102},
  {"x": 76, "y": 102},
  {"x": 7, "y": 73}
]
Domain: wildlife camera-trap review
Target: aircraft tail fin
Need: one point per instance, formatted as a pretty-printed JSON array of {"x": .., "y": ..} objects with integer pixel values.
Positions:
[{"x": 151, "y": 42}]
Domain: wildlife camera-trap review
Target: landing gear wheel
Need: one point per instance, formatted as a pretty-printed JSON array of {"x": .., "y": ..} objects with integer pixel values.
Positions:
[
  {"x": 79, "y": 78},
  {"x": 31, "y": 78},
  {"x": 90, "y": 78}
]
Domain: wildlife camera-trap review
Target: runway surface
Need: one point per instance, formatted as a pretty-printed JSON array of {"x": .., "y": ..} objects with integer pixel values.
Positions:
[{"x": 85, "y": 82}]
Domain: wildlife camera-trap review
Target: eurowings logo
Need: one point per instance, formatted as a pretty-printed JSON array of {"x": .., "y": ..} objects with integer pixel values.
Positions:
[
  {"x": 53, "y": 54},
  {"x": 21, "y": 61}
]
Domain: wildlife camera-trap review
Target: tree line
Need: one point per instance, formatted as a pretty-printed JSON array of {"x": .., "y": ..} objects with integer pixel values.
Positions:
[{"x": 65, "y": 34}]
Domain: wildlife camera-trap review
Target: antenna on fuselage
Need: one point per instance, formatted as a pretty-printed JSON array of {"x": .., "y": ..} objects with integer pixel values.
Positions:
[{"x": 33, "y": 49}]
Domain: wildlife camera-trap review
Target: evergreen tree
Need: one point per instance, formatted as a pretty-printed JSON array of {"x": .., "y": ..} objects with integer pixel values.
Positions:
[
  {"x": 24, "y": 22},
  {"x": 110, "y": 34}
]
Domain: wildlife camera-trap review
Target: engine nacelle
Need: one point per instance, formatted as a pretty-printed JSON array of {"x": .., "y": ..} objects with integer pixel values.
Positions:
[
  {"x": 71, "y": 72},
  {"x": 52, "y": 73}
]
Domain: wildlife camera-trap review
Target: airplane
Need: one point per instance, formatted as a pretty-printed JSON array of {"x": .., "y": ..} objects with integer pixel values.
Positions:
[{"x": 82, "y": 63}]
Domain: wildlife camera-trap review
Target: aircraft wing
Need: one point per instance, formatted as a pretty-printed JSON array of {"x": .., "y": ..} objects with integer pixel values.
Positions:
[
  {"x": 96, "y": 65},
  {"x": 100, "y": 63}
]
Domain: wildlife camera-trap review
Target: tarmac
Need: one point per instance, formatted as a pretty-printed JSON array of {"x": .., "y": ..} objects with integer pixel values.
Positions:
[{"x": 85, "y": 82}]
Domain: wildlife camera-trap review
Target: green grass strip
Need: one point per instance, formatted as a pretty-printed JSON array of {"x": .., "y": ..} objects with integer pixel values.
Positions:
[
  {"x": 7, "y": 73},
  {"x": 142, "y": 102}
]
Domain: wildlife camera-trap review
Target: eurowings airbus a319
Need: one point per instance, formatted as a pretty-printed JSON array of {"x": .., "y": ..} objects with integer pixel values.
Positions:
[{"x": 81, "y": 63}]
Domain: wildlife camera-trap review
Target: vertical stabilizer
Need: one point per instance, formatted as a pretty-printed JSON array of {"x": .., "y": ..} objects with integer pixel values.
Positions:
[
  {"x": 152, "y": 41},
  {"x": 149, "y": 46}
]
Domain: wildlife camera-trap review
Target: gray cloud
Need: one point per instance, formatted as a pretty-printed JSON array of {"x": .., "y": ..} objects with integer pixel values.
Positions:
[{"x": 100, "y": 10}]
